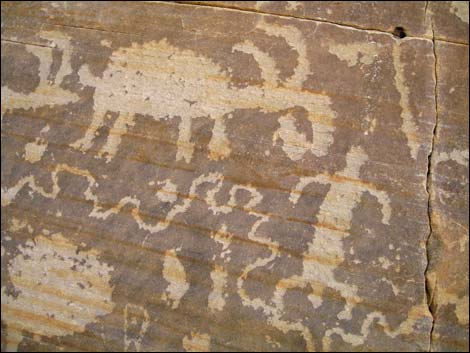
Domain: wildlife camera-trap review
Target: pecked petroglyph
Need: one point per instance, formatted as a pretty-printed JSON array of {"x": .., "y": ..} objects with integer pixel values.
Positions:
[
  {"x": 33, "y": 151},
  {"x": 336, "y": 210},
  {"x": 123, "y": 122},
  {"x": 8, "y": 195},
  {"x": 405, "y": 328},
  {"x": 216, "y": 299},
  {"x": 273, "y": 246},
  {"x": 460, "y": 9},
  {"x": 48, "y": 92},
  {"x": 167, "y": 192},
  {"x": 57, "y": 283},
  {"x": 326, "y": 242},
  {"x": 273, "y": 312},
  {"x": 225, "y": 239},
  {"x": 295, "y": 143},
  {"x": 409, "y": 126},
  {"x": 458, "y": 156},
  {"x": 136, "y": 324},
  {"x": 354, "y": 53},
  {"x": 160, "y": 80},
  {"x": 175, "y": 275},
  {"x": 209, "y": 161}
]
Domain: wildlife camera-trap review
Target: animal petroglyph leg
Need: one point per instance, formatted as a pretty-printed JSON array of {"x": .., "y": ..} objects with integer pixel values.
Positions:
[
  {"x": 122, "y": 123},
  {"x": 185, "y": 146},
  {"x": 136, "y": 324},
  {"x": 219, "y": 145},
  {"x": 84, "y": 144}
]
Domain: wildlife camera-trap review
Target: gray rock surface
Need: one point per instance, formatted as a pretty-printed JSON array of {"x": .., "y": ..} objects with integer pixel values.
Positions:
[{"x": 191, "y": 177}]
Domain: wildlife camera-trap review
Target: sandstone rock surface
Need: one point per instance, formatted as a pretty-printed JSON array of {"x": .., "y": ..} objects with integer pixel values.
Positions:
[
  {"x": 188, "y": 176},
  {"x": 448, "y": 245}
]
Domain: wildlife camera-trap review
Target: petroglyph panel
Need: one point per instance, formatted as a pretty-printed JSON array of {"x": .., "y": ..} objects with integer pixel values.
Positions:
[{"x": 185, "y": 177}]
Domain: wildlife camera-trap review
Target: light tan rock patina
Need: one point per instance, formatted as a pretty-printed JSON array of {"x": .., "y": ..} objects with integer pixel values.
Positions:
[{"x": 184, "y": 177}]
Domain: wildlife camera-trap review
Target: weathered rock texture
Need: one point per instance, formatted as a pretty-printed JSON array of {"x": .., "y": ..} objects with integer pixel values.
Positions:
[
  {"x": 372, "y": 15},
  {"x": 192, "y": 177},
  {"x": 448, "y": 245},
  {"x": 448, "y": 19}
]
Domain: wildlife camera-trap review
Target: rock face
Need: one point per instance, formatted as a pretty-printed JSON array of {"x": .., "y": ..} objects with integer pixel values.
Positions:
[
  {"x": 279, "y": 176},
  {"x": 448, "y": 245}
]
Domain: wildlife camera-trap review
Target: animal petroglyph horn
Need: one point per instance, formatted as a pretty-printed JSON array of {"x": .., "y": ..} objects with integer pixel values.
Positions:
[{"x": 160, "y": 80}]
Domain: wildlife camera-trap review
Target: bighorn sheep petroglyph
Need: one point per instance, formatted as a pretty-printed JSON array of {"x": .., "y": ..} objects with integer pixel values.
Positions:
[{"x": 165, "y": 82}]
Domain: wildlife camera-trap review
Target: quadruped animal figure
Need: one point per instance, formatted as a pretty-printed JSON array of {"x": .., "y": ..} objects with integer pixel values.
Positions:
[{"x": 165, "y": 82}]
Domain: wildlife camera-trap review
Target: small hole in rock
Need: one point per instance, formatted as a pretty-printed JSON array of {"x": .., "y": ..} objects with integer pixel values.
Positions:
[{"x": 399, "y": 32}]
